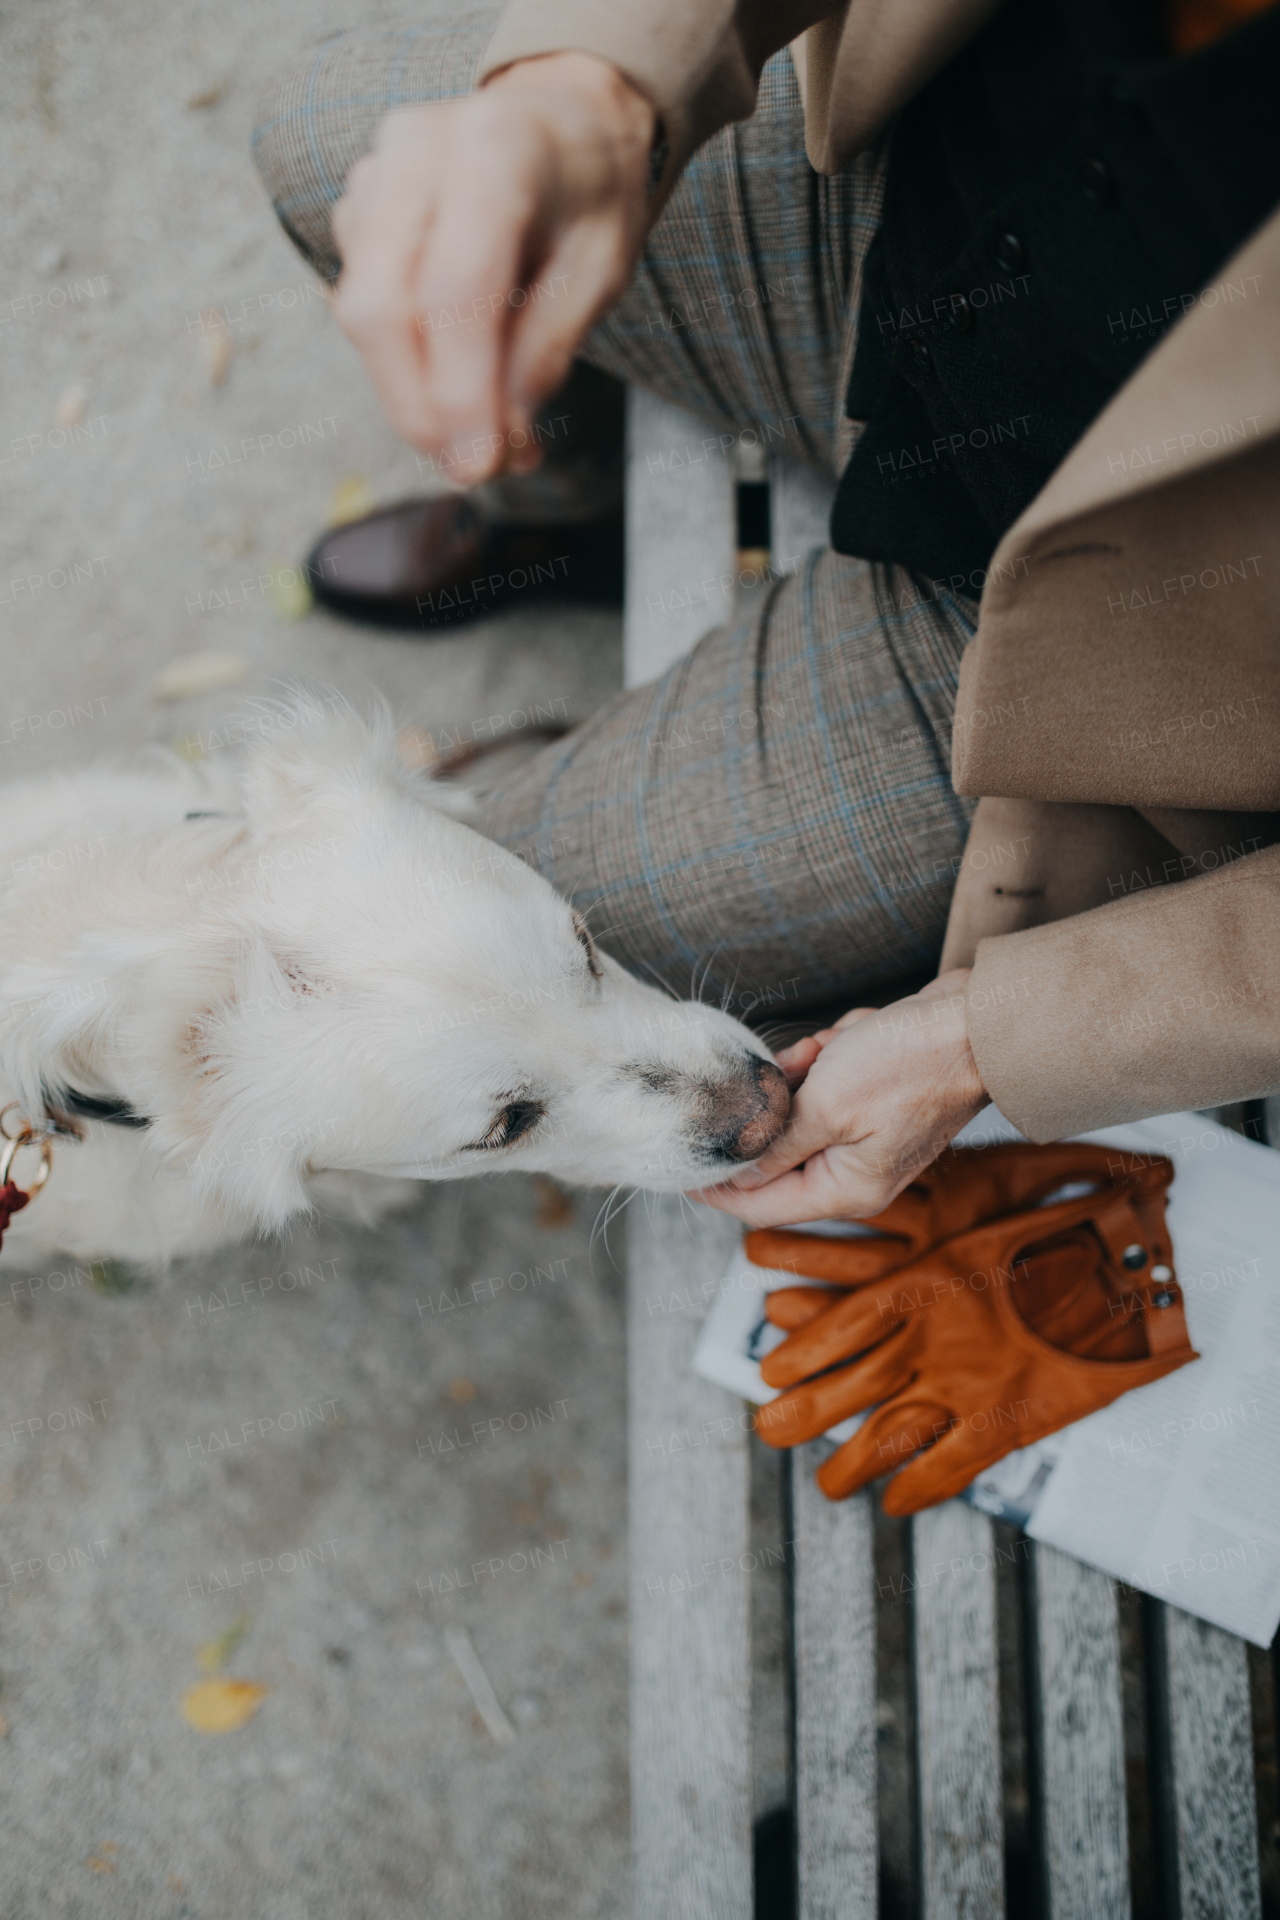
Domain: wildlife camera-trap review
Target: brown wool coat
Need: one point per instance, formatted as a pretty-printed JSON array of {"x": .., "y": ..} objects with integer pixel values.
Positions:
[{"x": 1119, "y": 708}]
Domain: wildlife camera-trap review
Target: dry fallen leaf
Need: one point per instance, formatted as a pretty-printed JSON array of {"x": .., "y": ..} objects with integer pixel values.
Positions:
[
  {"x": 70, "y": 407},
  {"x": 210, "y": 97},
  {"x": 111, "y": 1277},
  {"x": 290, "y": 592},
  {"x": 218, "y": 349},
  {"x": 100, "y": 1866},
  {"x": 351, "y": 499},
  {"x": 214, "y": 1654},
  {"x": 555, "y": 1207},
  {"x": 462, "y": 1388},
  {"x": 221, "y": 1706},
  {"x": 479, "y": 1685},
  {"x": 199, "y": 673},
  {"x": 416, "y": 748}
]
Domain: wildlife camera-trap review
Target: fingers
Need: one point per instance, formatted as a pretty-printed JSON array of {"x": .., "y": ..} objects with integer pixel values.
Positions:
[
  {"x": 845, "y": 1263},
  {"x": 797, "y": 1059},
  {"x": 945, "y": 1470},
  {"x": 855, "y": 1322},
  {"x": 885, "y": 1438},
  {"x": 814, "y": 1408},
  {"x": 466, "y": 291},
  {"x": 381, "y": 225},
  {"x": 801, "y": 1054},
  {"x": 585, "y": 273},
  {"x": 833, "y": 1185},
  {"x": 480, "y": 240},
  {"x": 792, "y": 1307},
  {"x": 430, "y": 256}
]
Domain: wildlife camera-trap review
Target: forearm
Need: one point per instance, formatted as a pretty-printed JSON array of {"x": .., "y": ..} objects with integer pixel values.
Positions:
[
  {"x": 698, "y": 61},
  {"x": 1159, "y": 1001}
]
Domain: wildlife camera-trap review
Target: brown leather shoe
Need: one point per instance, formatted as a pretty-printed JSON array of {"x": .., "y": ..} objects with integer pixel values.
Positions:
[
  {"x": 555, "y": 532},
  {"x": 434, "y": 563}
]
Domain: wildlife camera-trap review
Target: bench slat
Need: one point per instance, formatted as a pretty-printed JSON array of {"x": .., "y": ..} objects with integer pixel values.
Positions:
[
  {"x": 799, "y": 512},
  {"x": 680, "y": 536},
  {"x": 1204, "y": 1770},
  {"x": 958, "y": 1715},
  {"x": 690, "y": 1638},
  {"x": 1078, "y": 1728},
  {"x": 835, "y": 1697}
]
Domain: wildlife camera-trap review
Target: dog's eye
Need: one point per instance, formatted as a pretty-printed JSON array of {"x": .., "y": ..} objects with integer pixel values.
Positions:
[
  {"x": 517, "y": 1119},
  {"x": 585, "y": 942}
]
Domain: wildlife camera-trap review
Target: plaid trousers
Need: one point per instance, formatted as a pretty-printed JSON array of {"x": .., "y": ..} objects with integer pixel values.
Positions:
[{"x": 772, "y": 820}]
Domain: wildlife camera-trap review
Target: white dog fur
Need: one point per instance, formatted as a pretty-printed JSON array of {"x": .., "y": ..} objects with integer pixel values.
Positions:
[{"x": 315, "y": 984}]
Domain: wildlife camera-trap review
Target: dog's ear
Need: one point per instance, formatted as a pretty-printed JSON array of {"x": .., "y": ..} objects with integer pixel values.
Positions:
[
  {"x": 318, "y": 749},
  {"x": 311, "y": 744},
  {"x": 104, "y": 1017},
  {"x": 255, "y": 1120}
]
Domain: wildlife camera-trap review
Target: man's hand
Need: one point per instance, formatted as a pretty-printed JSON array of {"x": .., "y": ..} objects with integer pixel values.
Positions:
[
  {"x": 879, "y": 1096},
  {"x": 481, "y": 239}
]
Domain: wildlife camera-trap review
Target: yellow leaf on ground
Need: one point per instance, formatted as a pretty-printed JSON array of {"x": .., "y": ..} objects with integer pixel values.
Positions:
[
  {"x": 351, "y": 499},
  {"x": 416, "y": 748},
  {"x": 195, "y": 673},
  {"x": 289, "y": 592},
  {"x": 111, "y": 1276},
  {"x": 220, "y": 1706},
  {"x": 214, "y": 1654},
  {"x": 218, "y": 349},
  {"x": 70, "y": 407}
]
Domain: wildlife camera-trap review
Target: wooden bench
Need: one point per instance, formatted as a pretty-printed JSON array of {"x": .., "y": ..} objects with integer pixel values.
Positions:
[{"x": 1102, "y": 1842}]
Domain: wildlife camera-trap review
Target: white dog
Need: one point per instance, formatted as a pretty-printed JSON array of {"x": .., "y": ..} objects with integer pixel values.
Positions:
[{"x": 291, "y": 979}]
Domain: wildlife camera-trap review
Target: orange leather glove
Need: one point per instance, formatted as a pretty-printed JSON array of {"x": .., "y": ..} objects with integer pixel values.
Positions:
[
  {"x": 1003, "y": 1334},
  {"x": 962, "y": 1187}
]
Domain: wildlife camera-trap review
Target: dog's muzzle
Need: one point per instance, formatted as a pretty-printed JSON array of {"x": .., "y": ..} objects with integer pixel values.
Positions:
[{"x": 749, "y": 1112}]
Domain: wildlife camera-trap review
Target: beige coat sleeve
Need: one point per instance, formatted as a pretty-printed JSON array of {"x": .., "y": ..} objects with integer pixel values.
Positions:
[
  {"x": 699, "y": 61},
  {"x": 1159, "y": 1001}
]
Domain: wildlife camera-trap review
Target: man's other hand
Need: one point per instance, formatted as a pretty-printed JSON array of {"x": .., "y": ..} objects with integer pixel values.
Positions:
[
  {"x": 878, "y": 1096},
  {"x": 481, "y": 239}
]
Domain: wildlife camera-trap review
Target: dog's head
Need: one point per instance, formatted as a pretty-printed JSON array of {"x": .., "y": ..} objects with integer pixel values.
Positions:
[{"x": 329, "y": 972}]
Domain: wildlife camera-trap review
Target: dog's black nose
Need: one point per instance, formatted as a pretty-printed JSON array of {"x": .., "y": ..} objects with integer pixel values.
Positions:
[{"x": 750, "y": 1111}]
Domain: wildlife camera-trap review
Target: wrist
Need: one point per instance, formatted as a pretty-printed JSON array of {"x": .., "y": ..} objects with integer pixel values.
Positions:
[
  {"x": 971, "y": 1094},
  {"x": 590, "y": 81}
]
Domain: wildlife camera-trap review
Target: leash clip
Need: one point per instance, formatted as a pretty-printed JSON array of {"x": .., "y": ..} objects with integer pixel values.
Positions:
[{"x": 28, "y": 1135}]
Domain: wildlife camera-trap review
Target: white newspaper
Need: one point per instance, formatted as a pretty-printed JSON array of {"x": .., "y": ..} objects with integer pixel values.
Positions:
[{"x": 1175, "y": 1487}]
